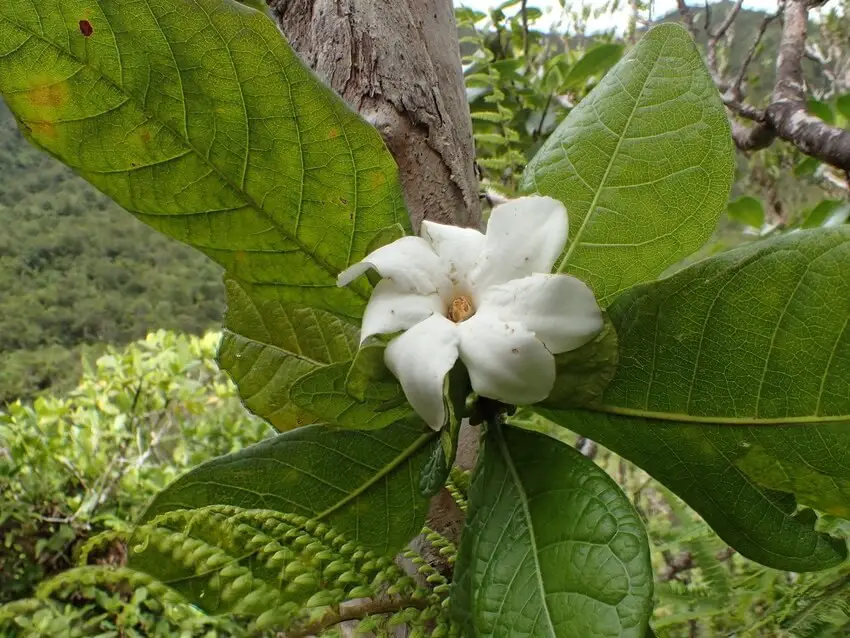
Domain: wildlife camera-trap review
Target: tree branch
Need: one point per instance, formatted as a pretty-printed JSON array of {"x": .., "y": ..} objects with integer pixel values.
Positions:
[
  {"x": 398, "y": 63},
  {"x": 787, "y": 112},
  {"x": 715, "y": 36},
  {"x": 735, "y": 88},
  {"x": 786, "y": 117}
]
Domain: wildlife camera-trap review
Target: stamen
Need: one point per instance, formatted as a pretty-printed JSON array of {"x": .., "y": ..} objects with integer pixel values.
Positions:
[{"x": 461, "y": 309}]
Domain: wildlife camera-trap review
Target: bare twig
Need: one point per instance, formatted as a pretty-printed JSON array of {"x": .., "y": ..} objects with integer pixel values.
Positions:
[
  {"x": 357, "y": 611},
  {"x": 786, "y": 116},
  {"x": 744, "y": 110},
  {"x": 715, "y": 36},
  {"x": 735, "y": 88},
  {"x": 687, "y": 18},
  {"x": 526, "y": 44}
]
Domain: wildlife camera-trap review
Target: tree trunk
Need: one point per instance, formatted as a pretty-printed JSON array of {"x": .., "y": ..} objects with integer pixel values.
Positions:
[{"x": 397, "y": 62}]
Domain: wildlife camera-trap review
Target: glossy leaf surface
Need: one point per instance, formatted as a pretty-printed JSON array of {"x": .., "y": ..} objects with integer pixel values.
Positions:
[{"x": 552, "y": 546}]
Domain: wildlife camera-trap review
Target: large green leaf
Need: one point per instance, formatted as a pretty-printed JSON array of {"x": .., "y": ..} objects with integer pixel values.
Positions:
[
  {"x": 363, "y": 484},
  {"x": 758, "y": 336},
  {"x": 268, "y": 347},
  {"x": 729, "y": 476},
  {"x": 196, "y": 116},
  {"x": 552, "y": 546},
  {"x": 644, "y": 165}
]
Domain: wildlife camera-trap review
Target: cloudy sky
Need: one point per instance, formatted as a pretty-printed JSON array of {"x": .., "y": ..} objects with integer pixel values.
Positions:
[{"x": 551, "y": 8}]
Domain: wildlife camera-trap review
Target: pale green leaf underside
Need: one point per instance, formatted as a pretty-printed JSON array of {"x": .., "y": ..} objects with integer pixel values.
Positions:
[
  {"x": 363, "y": 484},
  {"x": 197, "y": 117},
  {"x": 268, "y": 347},
  {"x": 552, "y": 546},
  {"x": 324, "y": 392},
  {"x": 730, "y": 476},
  {"x": 757, "y": 335},
  {"x": 643, "y": 164}
]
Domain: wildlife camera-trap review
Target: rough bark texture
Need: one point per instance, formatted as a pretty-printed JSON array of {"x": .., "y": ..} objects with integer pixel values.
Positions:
[
  {"x": 398, "y": 63},
  {"x": 786, "y": 117}
]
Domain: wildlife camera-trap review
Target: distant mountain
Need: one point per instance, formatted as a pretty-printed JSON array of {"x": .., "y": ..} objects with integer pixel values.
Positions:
[
  {"x": 76, "y": 269},
  {"x": 761, "y": 73}
]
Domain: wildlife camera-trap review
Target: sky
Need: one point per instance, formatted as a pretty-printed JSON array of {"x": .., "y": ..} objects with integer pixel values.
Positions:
[{"x": 620, "y": 19}]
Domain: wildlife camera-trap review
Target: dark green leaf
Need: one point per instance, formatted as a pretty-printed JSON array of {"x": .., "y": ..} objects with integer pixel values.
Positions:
[
  {"x": 842, "y": 104},
  {"x": 759, "y": 335},
  {"x": 747, "y": 210},
  {"x": 643, "y": 164},
  {"x": 594, "y": 63},
  {"x": 756, "y": 336},
  {"x": 821, "y": 110},
  {"x": 225, "y": 142},
  {"x": 552, "y": 546},
  {"x": 363, "y": 484},
  {"x": 707, "y": 467},
  {"x": 323, "y": 392}
]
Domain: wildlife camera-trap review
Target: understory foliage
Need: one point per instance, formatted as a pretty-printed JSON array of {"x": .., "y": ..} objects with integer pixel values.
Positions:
[{"x": 64, "y": 552}]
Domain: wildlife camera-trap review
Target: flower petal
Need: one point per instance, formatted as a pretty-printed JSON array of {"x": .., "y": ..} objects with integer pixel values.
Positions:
[
  {"x": 524, "y": 236},
  {"x": 505, "y": 360},
  {"x": 409, "y": 262},
  {"x": 420, "y": 360},
  {"x": 458, "y": 248},
  {"x": 391, "y": 308},
  {"x": 559, "y": 309}
]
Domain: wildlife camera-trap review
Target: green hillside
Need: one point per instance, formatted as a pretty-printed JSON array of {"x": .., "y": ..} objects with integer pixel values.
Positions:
[{"x": 76, "y": 270}]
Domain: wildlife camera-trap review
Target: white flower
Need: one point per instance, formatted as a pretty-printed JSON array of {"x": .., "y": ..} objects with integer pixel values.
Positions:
[{"x": 484, "y": 298}]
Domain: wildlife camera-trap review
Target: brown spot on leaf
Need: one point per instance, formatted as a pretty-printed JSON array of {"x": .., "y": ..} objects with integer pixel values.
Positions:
[
  {"x": 333, "y": 133},
  {"x": 86, "y": 28},
  {"x": 377, "y": 179},
  {"x": 41, "y": 130},
  {"x": 49, "y": 95},
  {"x": 145, "y": 136}
]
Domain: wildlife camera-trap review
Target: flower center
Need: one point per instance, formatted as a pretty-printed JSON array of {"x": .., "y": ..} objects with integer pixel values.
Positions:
[{"x": 461, "y": 309}]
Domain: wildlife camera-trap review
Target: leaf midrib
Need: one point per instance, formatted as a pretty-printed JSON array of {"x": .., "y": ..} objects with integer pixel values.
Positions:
[
  {"x": 714, "y": 420},
  {"x": 250, "y": 201},
  {"x": 523, "y": 497},
  {"x": 403, "y": 455},
  {"x": 577, "y": 240}
]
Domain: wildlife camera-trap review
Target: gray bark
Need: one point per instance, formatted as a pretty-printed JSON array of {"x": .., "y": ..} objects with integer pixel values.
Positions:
[
  {"x": 397, "y": 62},
  {"x": 786, "y": 117}
]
